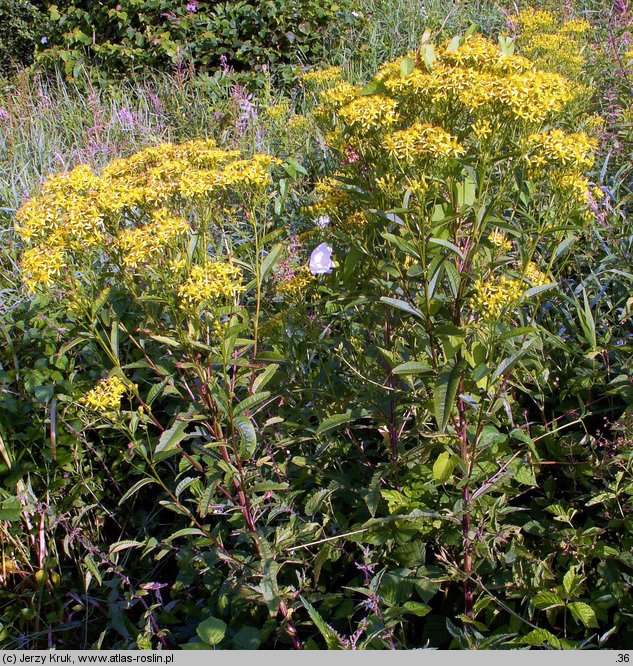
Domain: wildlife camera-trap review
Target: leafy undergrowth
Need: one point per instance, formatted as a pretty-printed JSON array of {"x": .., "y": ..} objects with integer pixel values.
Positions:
[{"x": 347, "y": 367}]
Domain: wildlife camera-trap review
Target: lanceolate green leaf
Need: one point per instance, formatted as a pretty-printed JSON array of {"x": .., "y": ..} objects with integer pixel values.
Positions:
[
  {"x": 331, "y": 639},
  {"x": 248, "y": 436},
  {"x": 445, "y": 392}
]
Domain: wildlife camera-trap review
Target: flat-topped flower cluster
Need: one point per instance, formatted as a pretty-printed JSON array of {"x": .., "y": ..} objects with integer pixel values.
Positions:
[{"x": 136, "y": 215}]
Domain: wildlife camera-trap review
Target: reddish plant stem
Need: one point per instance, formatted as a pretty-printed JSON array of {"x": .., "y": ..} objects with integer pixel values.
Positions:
[{"x": 466, "y": 517}]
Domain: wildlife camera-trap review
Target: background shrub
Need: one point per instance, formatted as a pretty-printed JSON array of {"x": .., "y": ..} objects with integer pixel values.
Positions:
[
  {"x": 136, "y": 34},
  {"x": 21, "y": 27}
]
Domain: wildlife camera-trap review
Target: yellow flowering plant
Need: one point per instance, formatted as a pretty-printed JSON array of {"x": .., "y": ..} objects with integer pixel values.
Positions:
[
  {"x": 472, "y": 191},
  {"x": 161, "y": 261}
]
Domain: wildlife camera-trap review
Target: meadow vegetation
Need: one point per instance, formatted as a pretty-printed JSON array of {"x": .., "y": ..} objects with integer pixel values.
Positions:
[{"x": 317, "y": 335}]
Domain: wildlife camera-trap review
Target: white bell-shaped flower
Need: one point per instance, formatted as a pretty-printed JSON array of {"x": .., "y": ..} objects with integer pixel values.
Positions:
[{"x": 321, "y": 260}]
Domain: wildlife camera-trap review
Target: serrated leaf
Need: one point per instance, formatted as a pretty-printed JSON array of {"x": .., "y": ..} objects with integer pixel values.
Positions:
[
  {"x": 572, "y": 582},
  {"x": 211, "y": 630},
  {"x": 416, "y": 608},
  {"x": 186, "y": 531},
  {"x": 525, "y": 475},
  {"x": 331, "y": 639},
  {"x": 125, "y": 545},
  {"x": 546, "y": 600},
  {"x": 583, "y": 613},
  {"x": 539, "y": 637}
]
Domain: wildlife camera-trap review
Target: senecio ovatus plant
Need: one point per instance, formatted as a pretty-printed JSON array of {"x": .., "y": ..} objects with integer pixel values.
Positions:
[
  {"x": 159, "y": 261},
  {"x": 455, "y": 198}
]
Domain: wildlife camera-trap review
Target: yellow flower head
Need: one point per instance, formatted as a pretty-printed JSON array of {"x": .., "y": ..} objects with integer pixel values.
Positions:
[
  {"x": 214, "y": 283},
  {"x": 494, "y": 297},
  {"x": 105, "y": 396},
  {"x": 420, "y": 141},
  {"x": 370, "y": 112},
  {"x": 499, "y": 239},
  {"x": 535, "y": 276}
]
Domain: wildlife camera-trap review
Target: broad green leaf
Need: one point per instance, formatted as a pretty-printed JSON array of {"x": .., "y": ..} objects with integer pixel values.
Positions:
[
  {"x": 171, "y": 438},
  {"x": 539, "y": 637},
  {"x": 454, "y": 44},
  {"x": 507, "y": 45},
  {"x": 263, "y": 379},
  {"x": 583, "y": 613},
  {"x": 125, "y": 545},
  {"x": 466, "y": 192},
  {"x": 443, "y": 467},
  {"x": 545, "y": 600},
  {"x": 251, "y": 401},
  {"x": 416, "y": 608},
  {"x": 269, "y": 261},
  {"x": 211, "y": 630},
  {"x": 186, "y": 531},
  {"x": 135, "y": 488},
  {"x": 525, "y": 475},
  {"x": 407, "y": 65},
  {"x": 247, "y": 638},
  {"x": 445, "y": 391},
  {"x": 428, "y": 55},
  {"x": 449, "y": 245},
  {"x": 572, "y": 583}
]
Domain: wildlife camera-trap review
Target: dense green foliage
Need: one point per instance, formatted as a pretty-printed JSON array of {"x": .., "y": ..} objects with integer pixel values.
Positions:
[
  {"x": 427, "y": 443},
  {"x": 21, "y": 29},
  {"x": 137, "y": 34}
]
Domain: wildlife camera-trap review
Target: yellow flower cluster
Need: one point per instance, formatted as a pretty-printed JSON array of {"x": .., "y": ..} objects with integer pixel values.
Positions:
[
  {"x": 354, "y": 221},
  {"x": 499, "y": 240},
  {"x": 477, "y": 52},
  {"x": 535, "y": 275},
  {"x": 573, "y": 152},
  {"x": 336, "y": 97},
  {"x": 573, "y": 185},
  {"x": 323, "y": 77},
  {"x": 418, "y": 141},
  {"x": 370, "y": 112},
  {"x": 297, "y": 284},
  {"x": 278, "y": 111},
  {"x": 553, "y": 46},
  {"x": 331, "y": 199},
  {"x": 79, "y": 212},
  {"x": 493, "y": 298},
  {"x": 105, "y": 396},
  {"x": 148, "y": 243},
  {"x": 67, "y": 209},
  {"x": 482, "y": 129},
  {"x": 511, "y": 89},
  {"x": 42, "y": 266},
  {"x": 215, "y": 282}
]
